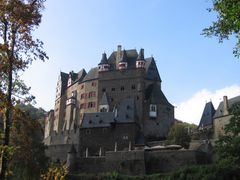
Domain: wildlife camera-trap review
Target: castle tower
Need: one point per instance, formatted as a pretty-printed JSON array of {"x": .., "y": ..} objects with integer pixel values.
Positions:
[
  {"x": 103, "y": 65},
  {"x": 70, "y": 111},
  {"x": 60, "y": 101},
  {"x": 140, "y": 62},
  {"x": 123, "y": 62}
]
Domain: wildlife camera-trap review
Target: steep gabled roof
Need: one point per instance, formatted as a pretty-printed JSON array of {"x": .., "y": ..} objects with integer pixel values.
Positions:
[
  {"x": 81, "y": 74},
  {"x": 74, "y": 76},
  {"x": 92, "y": 74},
  {"x": 155, "y": 95},
  {"x": 207, "y": 115},
  {"x": 151, "y": 70},
  {"x": 231, "y": 102},
  {"x": 131, "y": 56}
]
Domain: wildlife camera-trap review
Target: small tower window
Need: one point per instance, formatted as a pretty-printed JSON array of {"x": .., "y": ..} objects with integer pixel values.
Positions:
[
  {"x": 94, "y": 83},
  {"x": 91, "y": 104},
  {"x": 122, "y": 88},
  {"x": 153, "y": 111},
  {"x": 153, "y": 108},
  {"x": 92, "y": 94}
]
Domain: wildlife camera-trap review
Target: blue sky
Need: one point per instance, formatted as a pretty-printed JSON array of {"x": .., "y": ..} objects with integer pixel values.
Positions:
[{"x": 77, "y": 32}]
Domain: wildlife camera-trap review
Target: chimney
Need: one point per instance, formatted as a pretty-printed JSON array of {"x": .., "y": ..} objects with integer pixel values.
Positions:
[
  {"x": 118, "y": 58},
  {"x": 225, "y": 106}
]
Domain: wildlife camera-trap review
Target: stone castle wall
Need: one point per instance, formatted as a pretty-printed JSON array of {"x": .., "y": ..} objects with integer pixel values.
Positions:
[{"x": 140, "y": 162}]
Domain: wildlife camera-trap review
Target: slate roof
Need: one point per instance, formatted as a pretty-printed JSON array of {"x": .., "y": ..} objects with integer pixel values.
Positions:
[
  {"x": 104, "y": 59},
  {"x": 126, "y": 111},
  {"x": 74, "y": 76},
  {"x": 64, "y": 79},
  {"x": 155, "y": 94},
  {"x": 99, "y": 119},
  {"x": 141, "y": 55},
  {"x": 124, "y": 57},
  {"x": 231, "y": 102},
  {"x": 207, "y": 115},
  {"x": 131, "y": 56},
  {"x": 104, "y": 99},
  {"x": 151, "y": 69},
  {"x": 92, "y": 74},
  {"x": 81, "y": 74}
]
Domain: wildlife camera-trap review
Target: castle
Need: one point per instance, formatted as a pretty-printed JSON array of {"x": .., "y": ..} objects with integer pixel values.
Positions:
[
  {"x": 117, "y": 105},
  {"x": 216, "y": 120}
]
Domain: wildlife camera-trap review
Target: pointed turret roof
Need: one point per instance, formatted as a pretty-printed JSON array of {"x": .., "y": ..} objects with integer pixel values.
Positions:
[
  {"x": 124, "y": 56},
  {"x": 141, "y": 55},
  {"x": 104, "y": 100},
  {"x": 72, "y": 149},
  {"x": 207, "y": 115},
  {"x": 104, "y": 59}
]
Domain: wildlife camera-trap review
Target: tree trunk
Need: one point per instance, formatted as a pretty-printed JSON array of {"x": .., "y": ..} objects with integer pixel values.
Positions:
[
  {"x": 8, "y": 113},
  {"x": 7, "y": 122}
]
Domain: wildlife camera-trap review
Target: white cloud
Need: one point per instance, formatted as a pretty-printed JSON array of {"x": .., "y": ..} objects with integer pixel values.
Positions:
[{"x": 191, "y": 109}]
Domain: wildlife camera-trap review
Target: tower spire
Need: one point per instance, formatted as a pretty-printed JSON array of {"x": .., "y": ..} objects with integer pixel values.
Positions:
[
  {"x": 103, "y": 65},
  {"x": 140, "y": 62},
  {"x": 123, "y": 62}
]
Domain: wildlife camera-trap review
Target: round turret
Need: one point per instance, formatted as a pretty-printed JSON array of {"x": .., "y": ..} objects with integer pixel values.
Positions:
[
  {"x": 103, "y": 65},
  {"x": 123, "y": 62},
  {"x": 140, "y": 62}
]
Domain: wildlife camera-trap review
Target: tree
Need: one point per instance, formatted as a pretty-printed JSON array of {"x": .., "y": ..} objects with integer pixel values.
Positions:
[
  {"x": 178, "y": 134},
  {"x": 18, "y": 48},
  {"x": 227, "y": 23},
  {"x": 228, "y": 145},
  {"x": 29, "y": 159}
]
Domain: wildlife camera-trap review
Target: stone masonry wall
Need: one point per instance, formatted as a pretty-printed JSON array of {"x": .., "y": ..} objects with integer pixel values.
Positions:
[
  {"x": 171, "y": 160},
  {"x": 126, "y": 162},
  {"x": 140, "y": 162}
]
